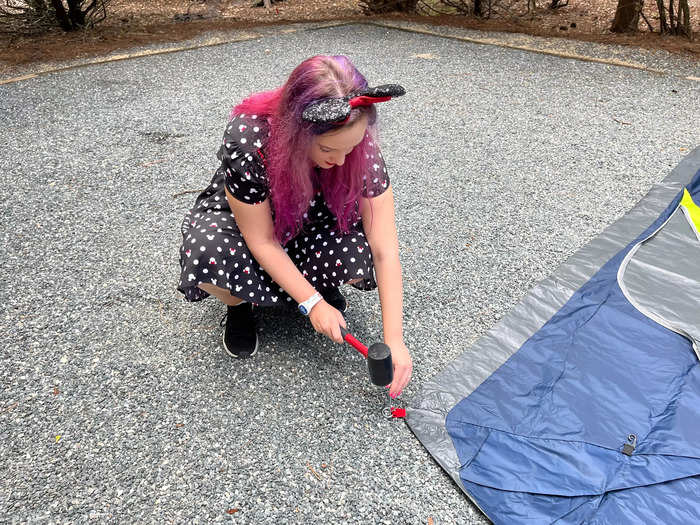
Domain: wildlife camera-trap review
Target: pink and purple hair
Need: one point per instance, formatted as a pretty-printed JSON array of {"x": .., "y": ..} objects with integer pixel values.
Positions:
[{"x": 289, "y": 168}]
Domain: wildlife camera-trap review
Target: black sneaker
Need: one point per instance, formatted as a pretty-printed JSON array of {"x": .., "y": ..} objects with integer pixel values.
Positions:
[
  {"x": 336, "y": 299},
  {"x": 240, "y": 337}
]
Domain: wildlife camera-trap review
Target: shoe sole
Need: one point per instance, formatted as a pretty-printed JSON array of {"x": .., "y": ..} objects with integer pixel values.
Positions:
[{"x": 255, "y": 350}]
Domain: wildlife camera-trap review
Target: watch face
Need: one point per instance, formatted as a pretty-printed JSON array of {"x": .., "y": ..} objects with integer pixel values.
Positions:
[{"x": 303, "y": 310}]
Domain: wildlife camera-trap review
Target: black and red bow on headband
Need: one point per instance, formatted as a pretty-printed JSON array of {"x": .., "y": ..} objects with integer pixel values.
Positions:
[{"x": 337, "y": 110}]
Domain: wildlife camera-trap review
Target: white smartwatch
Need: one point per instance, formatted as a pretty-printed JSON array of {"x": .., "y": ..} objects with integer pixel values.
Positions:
[{"x": 306, "y": 306}]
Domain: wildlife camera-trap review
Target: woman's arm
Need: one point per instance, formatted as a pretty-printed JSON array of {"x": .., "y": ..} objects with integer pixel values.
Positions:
[
  {"x": 380, "y": 228},
  {"x": 255, "y": 223}
]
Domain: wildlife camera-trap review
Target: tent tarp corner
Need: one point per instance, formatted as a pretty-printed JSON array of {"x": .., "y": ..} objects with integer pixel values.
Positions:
[{"x": 587, "y": 409}]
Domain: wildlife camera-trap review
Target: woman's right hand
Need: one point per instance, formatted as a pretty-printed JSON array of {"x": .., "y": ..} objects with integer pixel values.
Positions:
[{"x": 327, "y": 320}]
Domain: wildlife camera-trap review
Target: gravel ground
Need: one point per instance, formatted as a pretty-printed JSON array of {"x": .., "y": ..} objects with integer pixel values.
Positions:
[{"x": 117, "y": 402}]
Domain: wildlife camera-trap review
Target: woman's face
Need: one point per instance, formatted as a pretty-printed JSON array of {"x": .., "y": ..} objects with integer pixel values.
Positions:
[{"x": 330, "y": 148}]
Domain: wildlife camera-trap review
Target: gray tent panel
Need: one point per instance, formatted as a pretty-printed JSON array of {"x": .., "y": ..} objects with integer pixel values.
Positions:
[{"x": 661, "y": 277}]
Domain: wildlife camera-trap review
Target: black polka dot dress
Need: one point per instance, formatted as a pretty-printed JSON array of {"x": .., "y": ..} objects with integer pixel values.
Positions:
[{"x": 213, "y": 250}]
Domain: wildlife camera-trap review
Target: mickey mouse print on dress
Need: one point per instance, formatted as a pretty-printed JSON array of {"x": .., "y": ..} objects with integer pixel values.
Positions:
[{"x": 214, "y": 251}]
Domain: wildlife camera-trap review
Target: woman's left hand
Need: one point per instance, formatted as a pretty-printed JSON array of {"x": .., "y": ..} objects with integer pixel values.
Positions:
[{"x": 403, "y": 367}]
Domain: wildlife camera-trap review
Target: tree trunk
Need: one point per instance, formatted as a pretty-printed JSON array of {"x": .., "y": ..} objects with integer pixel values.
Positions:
[
  {"x": 61, "y": 15},
  {"x": 684, "y": 18},
  {"x": 672, "y": 19},
  {"x": 478, "y": 8},
  {"x": 627, "y": 16},
  {"x": 663, "y": 22},
  {"x": 76, "y": 13}
]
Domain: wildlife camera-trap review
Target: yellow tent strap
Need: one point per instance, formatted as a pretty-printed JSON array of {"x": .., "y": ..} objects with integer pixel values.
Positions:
[{"x": 692, "y": 209}]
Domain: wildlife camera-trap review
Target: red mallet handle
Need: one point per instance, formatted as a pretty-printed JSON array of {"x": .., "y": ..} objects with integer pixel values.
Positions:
[{"x": 352, "y": 341}]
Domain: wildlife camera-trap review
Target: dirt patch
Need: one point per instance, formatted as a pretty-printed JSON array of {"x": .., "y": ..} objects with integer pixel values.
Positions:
[{"x": 133, "y": 23}]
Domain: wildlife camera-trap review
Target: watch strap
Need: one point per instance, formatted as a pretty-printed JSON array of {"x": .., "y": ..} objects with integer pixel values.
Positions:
[{"x": 306, "y": 306}]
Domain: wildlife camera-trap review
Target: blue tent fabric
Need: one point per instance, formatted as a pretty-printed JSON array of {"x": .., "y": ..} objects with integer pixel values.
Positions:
[{"x": 541, "y": 440}]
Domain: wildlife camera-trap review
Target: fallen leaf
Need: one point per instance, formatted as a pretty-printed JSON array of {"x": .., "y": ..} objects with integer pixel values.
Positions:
[
  {"x": 430, "y": 521},
  {"x": 55, "y": 391},
  {"x": 425, "y": 56},
  {"x": 231, "y": 511},
  {"x": 58, "y": 438},
  {"x": 179, "y": 425}
]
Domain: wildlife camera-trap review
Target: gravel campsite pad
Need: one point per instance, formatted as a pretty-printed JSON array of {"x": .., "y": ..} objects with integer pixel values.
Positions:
[{"x": 117, "y": 401}]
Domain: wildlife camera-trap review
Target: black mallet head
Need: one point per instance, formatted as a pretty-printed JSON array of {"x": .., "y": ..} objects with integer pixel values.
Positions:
[{"x": 381, "y": 368}]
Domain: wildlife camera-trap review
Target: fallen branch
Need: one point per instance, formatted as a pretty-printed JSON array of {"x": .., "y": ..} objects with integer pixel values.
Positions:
[
  {"x": 8, "y": 408},
  {"x": 186, "y": 192},
  {"x": 318, "y": 476},
  {"x": 621, "y": 122}
]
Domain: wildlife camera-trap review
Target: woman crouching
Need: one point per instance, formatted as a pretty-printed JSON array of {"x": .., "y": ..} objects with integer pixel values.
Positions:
[{"x": 301, "y": 205}]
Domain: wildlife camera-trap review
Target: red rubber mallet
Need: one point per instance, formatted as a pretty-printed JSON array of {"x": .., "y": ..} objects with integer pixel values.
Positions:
[{"x": 379, "y": 364}]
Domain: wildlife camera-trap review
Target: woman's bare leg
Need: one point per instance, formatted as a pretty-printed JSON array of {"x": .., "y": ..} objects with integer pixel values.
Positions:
[
  {"x": 221, "y": 294},
  {"x": 225, "y": 297}
]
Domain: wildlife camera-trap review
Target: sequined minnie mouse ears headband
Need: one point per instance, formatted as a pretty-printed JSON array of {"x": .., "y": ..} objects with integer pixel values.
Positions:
[{"x": 337, "y": 110}]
